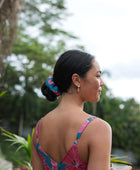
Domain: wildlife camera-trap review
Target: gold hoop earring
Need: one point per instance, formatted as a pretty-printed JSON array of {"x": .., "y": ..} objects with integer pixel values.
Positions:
[{"x": 78, "y": 89}]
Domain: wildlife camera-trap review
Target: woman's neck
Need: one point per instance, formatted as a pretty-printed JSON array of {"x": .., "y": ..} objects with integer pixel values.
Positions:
[{"x": 70, "y": 100}]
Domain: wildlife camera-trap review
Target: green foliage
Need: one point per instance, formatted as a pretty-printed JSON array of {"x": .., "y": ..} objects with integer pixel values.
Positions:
[
  {"x": 125, "y": 124},
  {"x": 45, "y": 12},
  {"x": 124, "y": 118},
  {"x": 39, "y": 41},
  {"x": 9, "y": 152},
  {"x": 116, "y": 159},
  {"x": 3, "y": 93},
  {"x": 88, "y": 107},
  {"x": 45, "y": 18},
  {"x": 40, "y": 59},
  {"x": 22, "y": 143},
  {"x": 15, "y": 139}
]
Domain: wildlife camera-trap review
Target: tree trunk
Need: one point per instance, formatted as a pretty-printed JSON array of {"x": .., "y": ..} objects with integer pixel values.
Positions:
[
  {"x": 21, "y": 118},
  {"x": 1, "y": 3},
  {"x": 8, "y": 25},
  {"x": 94, "y": 108}
]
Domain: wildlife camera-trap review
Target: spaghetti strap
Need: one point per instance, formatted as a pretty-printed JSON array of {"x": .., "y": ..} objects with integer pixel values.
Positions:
[
  {"x": 71, "y": 160},
  {"x": 84, "y": 125}
]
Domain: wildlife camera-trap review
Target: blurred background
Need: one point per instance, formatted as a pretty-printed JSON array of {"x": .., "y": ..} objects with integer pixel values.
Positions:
[{"x": 33, "y": 33}]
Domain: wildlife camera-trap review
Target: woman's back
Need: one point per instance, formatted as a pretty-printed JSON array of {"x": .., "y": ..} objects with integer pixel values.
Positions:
[{"x": 58, "y": 132}]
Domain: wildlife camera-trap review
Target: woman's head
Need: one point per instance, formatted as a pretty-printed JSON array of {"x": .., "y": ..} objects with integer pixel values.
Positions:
[{"x": 70, "y": 62}]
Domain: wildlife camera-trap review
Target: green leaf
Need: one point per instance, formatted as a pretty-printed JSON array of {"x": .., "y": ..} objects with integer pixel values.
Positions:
[
  {"x": 15, "y": 139},
  {"x": 117, "y": 159},
  {"x": 3, "y": 93}
]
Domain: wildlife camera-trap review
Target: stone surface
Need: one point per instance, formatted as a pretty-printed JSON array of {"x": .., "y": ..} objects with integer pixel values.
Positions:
[{"x": 5, "y": 165}]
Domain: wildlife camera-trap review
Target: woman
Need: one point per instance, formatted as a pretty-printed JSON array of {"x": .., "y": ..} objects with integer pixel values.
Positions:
[{"x": 67, "y": 137}]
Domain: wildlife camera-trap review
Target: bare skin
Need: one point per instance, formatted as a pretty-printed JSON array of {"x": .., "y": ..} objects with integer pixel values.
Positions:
[{"x": 94, "y": 146}]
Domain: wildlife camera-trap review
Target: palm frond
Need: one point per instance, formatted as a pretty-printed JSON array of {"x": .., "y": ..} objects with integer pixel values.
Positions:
[
  {"x": 15, "y": 139},
  {"x": 117, "y": 159},
  {"x": 25, "y": 164},
  {"x": 3, "y": 93}
]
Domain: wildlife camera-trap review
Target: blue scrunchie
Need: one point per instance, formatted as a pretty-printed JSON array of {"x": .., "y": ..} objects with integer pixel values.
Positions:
[{"x": 50, "y": 83}]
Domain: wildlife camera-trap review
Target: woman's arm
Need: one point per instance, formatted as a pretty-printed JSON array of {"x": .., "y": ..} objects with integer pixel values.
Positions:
[
  {"x": 100, "y": 141},
  {"x": 36, "y": 161}
]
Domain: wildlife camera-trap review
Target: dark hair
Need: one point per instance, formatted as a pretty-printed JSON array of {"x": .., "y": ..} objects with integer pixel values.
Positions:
[{"x": 70, "y": 62}]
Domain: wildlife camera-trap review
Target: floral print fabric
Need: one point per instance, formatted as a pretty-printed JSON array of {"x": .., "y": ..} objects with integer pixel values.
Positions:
[{"x": 71, "y": 160}]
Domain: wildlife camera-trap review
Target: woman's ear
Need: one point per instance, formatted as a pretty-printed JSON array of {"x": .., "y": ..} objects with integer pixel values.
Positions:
[{"x": 76, "y": 79}]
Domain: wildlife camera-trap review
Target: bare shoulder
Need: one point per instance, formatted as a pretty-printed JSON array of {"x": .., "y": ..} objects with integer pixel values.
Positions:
[
  {"x": 99, "y": 144},
  {"x": 101, "y": 124},
  {"x": 99, "y": 129}
]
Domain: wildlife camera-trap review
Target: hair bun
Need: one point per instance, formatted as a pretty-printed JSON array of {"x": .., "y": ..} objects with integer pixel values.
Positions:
[{"x": 50, "y": 95}]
